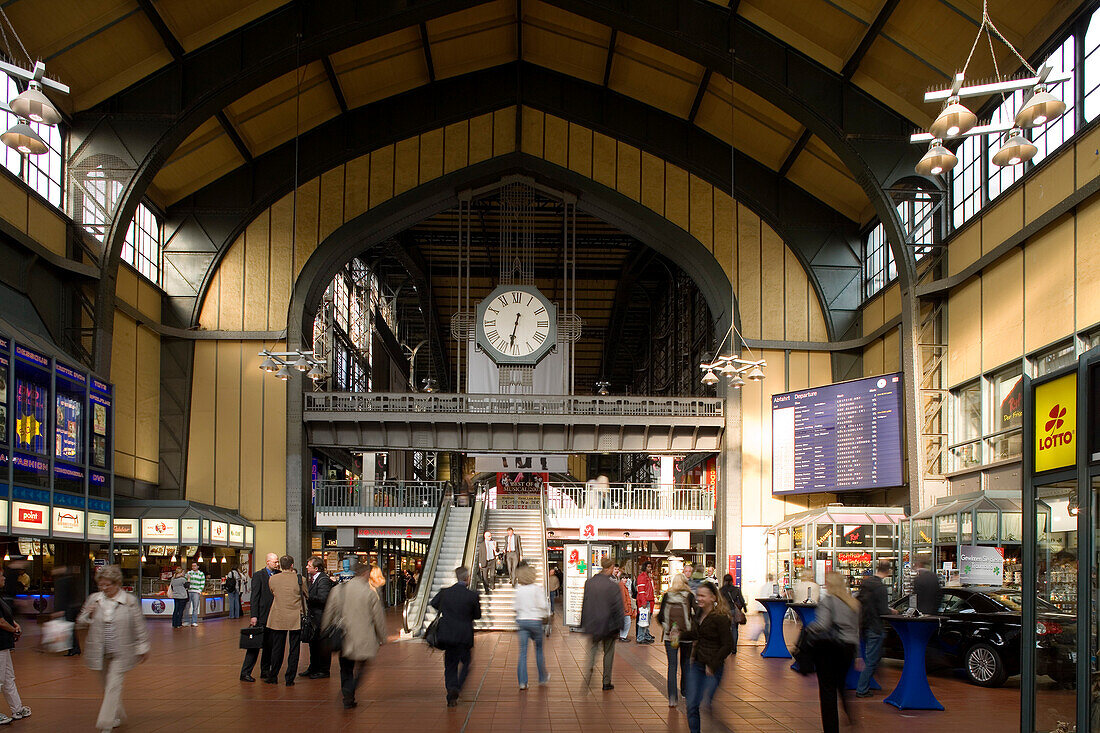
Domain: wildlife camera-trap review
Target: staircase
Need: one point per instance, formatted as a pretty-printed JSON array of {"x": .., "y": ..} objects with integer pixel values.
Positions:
[
  {"x": 498, "y": 610},
  {"x": 450, "y": 555}
]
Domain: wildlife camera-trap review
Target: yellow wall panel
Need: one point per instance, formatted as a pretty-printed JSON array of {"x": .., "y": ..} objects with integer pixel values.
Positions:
[
  {"x": 208, "y": 316},
  {"x": 231, "y": 316},
  {"x": 274, "y": 482},
  {"x": 653, "y": 183},
  {"x": 257, "y": 248},
  {"x": 891, "y": 302},
  {"x": 13, "y": 203},
  {"x": 431, "y": 155},
  {"x": 504, "y": 131},
  {"x": 769, "y": 506},
  {"x": 676, "y": 196},
  {"x": 124, "y": 376},
  {"x": 270, "y": 537},
  {"x": 406, "y": 165},
  {"x": 305, "y": 233},
  {"x": 1002, "y": 311},
  {"x": 1048, "y": 285},
  {"x": 481, "y": 138},
  {"x": 555, "y": 139},
  {"x": 126, "y": 285},
  {"x": 381, "y": 175},
  {"x": 872, "y": 315},
  {"x": 752, "y": 401},
  {"x": 46, "y": 227},
  {"x": 147, "y": 396},
  {"x": 872, "y": 358},
  {"x": 149, "y": 297},
  {"x": 798, "y": 367},
  {"x": 723, "y": 235},
  {"x": 628, "y": 177},
  {"x": 252, "y": 436},
  {"x": 227, "y": 425},
  {"x": 1088, "y": 263},
  {"x": 701, "y": 211},
  {"x": 891, "y": 351},
  {"x": 456, "y": 147},
  {"x": 281, "y": 272},
  {"x": 531, "y": 133},
  {"x": 125, "y": 465},
  {"x": 964, "y": 249},
  {"x": 580, "y": 150},
  {"x": 331, "y": 201},
  {"x": 964, "y": 332},
  {"x": 773, "y": 294},
  {"x": 1003, "y": 220},
  {"x": 797, "y": 319},
  {"x": 1087, "y": 153},
  {"x": 148, "y": 471},
  {"x": 603, "y": 160},
  {"x": 748, "y": 271},
  {"x": 1048, "y": 187},
  {"x": 200, "y": 448},
  {"x": 356, "y": 186},
  {"x": 821, "y": 368}
]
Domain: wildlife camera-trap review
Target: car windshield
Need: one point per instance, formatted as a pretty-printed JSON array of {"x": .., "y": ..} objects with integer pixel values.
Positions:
[{"x": 1014, "y": 602}]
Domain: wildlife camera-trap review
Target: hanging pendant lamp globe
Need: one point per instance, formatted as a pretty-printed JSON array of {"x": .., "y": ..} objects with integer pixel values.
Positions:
[
  {"x": 937, "y": 160},
  {"x": 710, "y": 378},
  {"x": 1040, "y": 109},
  {"x": 22, "y": 138},
  {"x": 1016, "y": 149},
  {"x": 954, "y": 119},
  {"x": 35, "y": 106}
]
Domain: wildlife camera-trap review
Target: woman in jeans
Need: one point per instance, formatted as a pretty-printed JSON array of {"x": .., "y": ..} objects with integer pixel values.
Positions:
[
  {"x": 532, "y": 611},
  {"x": 840, "y": 612},
  {"x": 713, "y": 642},
  {"x": 677, "y": 616},
  {"x": 177, "y": 589}
]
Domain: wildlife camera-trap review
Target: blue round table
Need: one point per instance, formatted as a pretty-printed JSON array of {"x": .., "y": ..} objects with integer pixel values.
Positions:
[
  {"x": 806, "y": 613},
  {"x": 776, "y": 648},
  {"x": 913, "y": 692}
]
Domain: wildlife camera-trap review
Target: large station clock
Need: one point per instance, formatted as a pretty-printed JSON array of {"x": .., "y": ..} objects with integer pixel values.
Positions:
[{"x": 516, "y": 325}]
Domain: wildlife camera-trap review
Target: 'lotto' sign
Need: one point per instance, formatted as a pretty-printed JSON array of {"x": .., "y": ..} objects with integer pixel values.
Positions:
[{"x": 1056, "y": 423}]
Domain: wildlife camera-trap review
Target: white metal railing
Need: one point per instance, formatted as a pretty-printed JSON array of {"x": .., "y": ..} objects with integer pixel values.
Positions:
[
  {"x": 494, "y": 404},
  {"x": 378, "y": 497},
  {"x": 624, "y": 501}
]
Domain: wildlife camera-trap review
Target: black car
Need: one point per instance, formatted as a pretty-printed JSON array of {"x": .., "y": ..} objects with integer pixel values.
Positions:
[{"x": 980, "y": 634}]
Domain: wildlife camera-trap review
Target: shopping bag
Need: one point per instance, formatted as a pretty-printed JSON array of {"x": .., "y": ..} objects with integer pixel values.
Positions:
[
  {"x": 57, "y": 635},
  {"x": 643, "y": 616}
]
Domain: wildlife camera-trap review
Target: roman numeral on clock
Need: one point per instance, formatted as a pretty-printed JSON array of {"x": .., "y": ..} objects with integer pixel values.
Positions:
[
  {"x": 492, "y": 336},
  {"x": 517, "y": 297},
  {"x": 538, "y": 336},
  {"x": 503, "y": 300},
  {"x": 543, "y": 324}
]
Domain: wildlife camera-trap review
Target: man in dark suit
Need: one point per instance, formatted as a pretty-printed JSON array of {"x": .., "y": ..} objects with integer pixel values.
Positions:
[
  {"x": 487, "y": 563},
  {"x": 927, "y": 587},
  {"x": 513, "y": 554},
  {"x": 320, "y": 657},
  {"x": 260, "y": 599},
  {"x": 459, "y": 607},
  {"x": 602, "y": 619}
]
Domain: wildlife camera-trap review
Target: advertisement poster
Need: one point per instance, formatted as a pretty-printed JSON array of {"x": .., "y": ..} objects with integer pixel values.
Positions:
[
  {"x": 3, "y": 400},
  {"x": 981, "y": 565},
  {"x": 99, "y": 418},
  {"x": 576, "y": 572},
  {"x": 520, "y": 490},
  {"x": 30, "y": 415},
  {"x": 68, "y": 441},
  {"x": 99, "y": 450}
]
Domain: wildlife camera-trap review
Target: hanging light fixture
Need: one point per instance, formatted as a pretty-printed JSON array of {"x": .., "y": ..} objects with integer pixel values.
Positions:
[
  {"x": 283, "y": 373},
  {"x": 728, "y": 370},
  {"x": 602, "y": 387},
  {"x": 35, "y": 106},
  {"x": 710, "y": 378},
  {"x": 430, "y": 385},
  {"x": 303, "y": 364},
  {"x": 223, "y": 559},
  {"x": 268, "y": 364},
  {"x": 143, "y": 553},
  {"x": 736, "y": 381},
  {"x": 7, "y": 556},
  {"x": 1015, "y": 150},
  {"x": 199, "y": 558},
  {"x": 22, "y": 138},
  {"x": 1042, "y": 106},
  {"x": 955, "y": 119},
  {"x": 756, "y": 374},
  {"x": 174, "y": 558},
  {"x": 937, "y": 160}
]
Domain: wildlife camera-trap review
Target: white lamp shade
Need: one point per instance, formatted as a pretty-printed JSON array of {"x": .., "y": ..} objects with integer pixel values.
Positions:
[
  {"x": 283, "y": 373},
  {"x": 302, "y": 364},
  {"x": 1016, "y": 150},
  {"x": 22, "y": 138},
  {"x": 937, "y": 160},
  {"x": 1040, "y": 109},
  {"x": 710, "y": 377},
  {"x": 955, "y": 119},
  {"x": 269, "y": 365},
  {"x": 35, "y": 106}
]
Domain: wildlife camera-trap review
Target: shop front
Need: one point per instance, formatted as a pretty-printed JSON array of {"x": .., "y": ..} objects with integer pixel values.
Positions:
[
  {"x": 850, "y": 540},
  {"x": 153, "y": 538},
  {"x": 398, "y": 552}
]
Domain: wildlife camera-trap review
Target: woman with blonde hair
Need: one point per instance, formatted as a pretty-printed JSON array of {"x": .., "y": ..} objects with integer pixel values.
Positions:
[
  {"x": 532, "y": 611},
  {"x": 677, "y": 616},
  {"x": 712, "y": 643},
  {"x": 835, "y": 632},
  {"x": 377, "y": 580},
  {"x": 117, "y": 640}
]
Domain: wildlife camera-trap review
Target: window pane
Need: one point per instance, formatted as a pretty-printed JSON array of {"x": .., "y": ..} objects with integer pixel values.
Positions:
[
  {"x": 1092, "y": 68},
  {"x": 1008, "y": 400},
  {"x": 1054, "y": 359},
  {"x": 968, "y": 412},
  {"x": 1049, "y": 137},
  {"x": 1001, "y": 178},
  {"x": 966, "y": 181}
]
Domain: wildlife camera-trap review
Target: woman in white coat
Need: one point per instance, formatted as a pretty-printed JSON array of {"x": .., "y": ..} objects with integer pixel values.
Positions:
[{"x": 117, "y": 640}]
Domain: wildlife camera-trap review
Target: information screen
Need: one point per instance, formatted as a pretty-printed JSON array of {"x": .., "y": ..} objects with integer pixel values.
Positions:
[{"x": 839, "y": 437}]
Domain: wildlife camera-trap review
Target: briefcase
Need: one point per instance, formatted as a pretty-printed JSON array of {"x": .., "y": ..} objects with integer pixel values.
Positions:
[{"x": 252, "y": 637}]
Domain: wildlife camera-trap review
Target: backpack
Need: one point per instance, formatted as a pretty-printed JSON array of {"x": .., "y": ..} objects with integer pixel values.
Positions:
[{"x": 230, "y": 584}]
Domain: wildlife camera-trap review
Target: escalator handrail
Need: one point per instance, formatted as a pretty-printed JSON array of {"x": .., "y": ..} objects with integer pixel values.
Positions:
[{"x": 427, "y": 577}]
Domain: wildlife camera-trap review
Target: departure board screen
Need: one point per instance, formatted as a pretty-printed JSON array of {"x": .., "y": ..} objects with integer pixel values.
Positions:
[{"x": 839, "y": 437}]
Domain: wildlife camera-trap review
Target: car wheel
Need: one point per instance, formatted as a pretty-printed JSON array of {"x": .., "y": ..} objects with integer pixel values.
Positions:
[{"x": 984, "y": 666}]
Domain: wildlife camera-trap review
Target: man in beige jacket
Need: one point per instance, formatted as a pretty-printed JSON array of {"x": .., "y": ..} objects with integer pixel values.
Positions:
[
  {"x": 356, "y": 609},
  {"x": 285, "y": 620}
]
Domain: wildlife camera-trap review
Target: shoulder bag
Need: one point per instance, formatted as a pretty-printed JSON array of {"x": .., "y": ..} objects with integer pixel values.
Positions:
[{"x": 431, "y": 636}]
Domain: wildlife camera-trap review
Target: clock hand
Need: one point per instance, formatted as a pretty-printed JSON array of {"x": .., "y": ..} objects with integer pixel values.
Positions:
[{"x": 514, "y": 328}]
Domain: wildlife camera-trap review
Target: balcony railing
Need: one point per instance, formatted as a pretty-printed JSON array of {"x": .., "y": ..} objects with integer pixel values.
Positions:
[
  {"x": 493, "y": 404},
  {"x": 630, "y": 501},
  {"x": 378, "y": 497}
]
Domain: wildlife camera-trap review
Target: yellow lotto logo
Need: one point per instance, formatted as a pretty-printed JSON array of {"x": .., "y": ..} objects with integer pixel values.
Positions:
[{"x": 1056, "y": 423}]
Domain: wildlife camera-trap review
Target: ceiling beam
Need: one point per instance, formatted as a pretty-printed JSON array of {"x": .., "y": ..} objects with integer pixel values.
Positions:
[
  {"x": 162, "y": 29},
  {"x": 872, "y": 34},
  {"x": 796, "y": 150},
  {"x": 610, "y": 56},
  {"x": 427, "y": 51},
  {"x": 334, "y": 82},
  {"x": 234, "y": 136},
  {"x": 703, "y": 84}
]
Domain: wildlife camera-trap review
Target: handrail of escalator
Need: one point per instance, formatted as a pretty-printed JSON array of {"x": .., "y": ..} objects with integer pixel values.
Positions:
[
  {"x": 427, "y": 576},
  {"x": 476, "y": 529},
  {"x": 545, "y": 551}
]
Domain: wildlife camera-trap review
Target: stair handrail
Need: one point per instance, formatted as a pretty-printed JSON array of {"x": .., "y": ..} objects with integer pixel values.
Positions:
[
  {"x": 427, "y": 577},
  {"x": 478, "y": 519}
]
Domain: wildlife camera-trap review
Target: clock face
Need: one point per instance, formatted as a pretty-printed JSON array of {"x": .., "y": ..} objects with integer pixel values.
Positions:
[{"x": 516, "y": 323}]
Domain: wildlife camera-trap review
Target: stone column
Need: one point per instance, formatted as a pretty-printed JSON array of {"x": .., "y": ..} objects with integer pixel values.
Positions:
[{"x": 727, "y": 517}]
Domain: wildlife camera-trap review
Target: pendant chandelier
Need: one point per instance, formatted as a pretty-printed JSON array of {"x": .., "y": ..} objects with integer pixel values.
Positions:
[
  {"x": 31, "y": 105},
  {"x": 956, "y": 121}
]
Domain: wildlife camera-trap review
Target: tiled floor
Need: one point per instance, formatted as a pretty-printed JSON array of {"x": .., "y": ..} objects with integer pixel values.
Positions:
[{"x": 190, "y": 683}]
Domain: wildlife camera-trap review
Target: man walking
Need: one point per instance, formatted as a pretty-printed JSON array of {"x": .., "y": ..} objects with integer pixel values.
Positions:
[
  {"x": 459, "y": 607},
  {"x": 927, "y": 587},
  {"x": 320, "y": 658},
  {"x": 196, "y": 584},
  {"x": 645, "y": 597},
  {"x": 487, "y": 563},
  {"x": 602, "y": 619},
  {"x": 260, "y": 599},
  {"x": 873, "y": 601},
  {"x": 513, "y": 554}
]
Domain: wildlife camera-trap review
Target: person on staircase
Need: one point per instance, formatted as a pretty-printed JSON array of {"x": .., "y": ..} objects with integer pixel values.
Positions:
[
  {"x": 513, "y": 554},
  {"x": 487, "y": 563}
]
